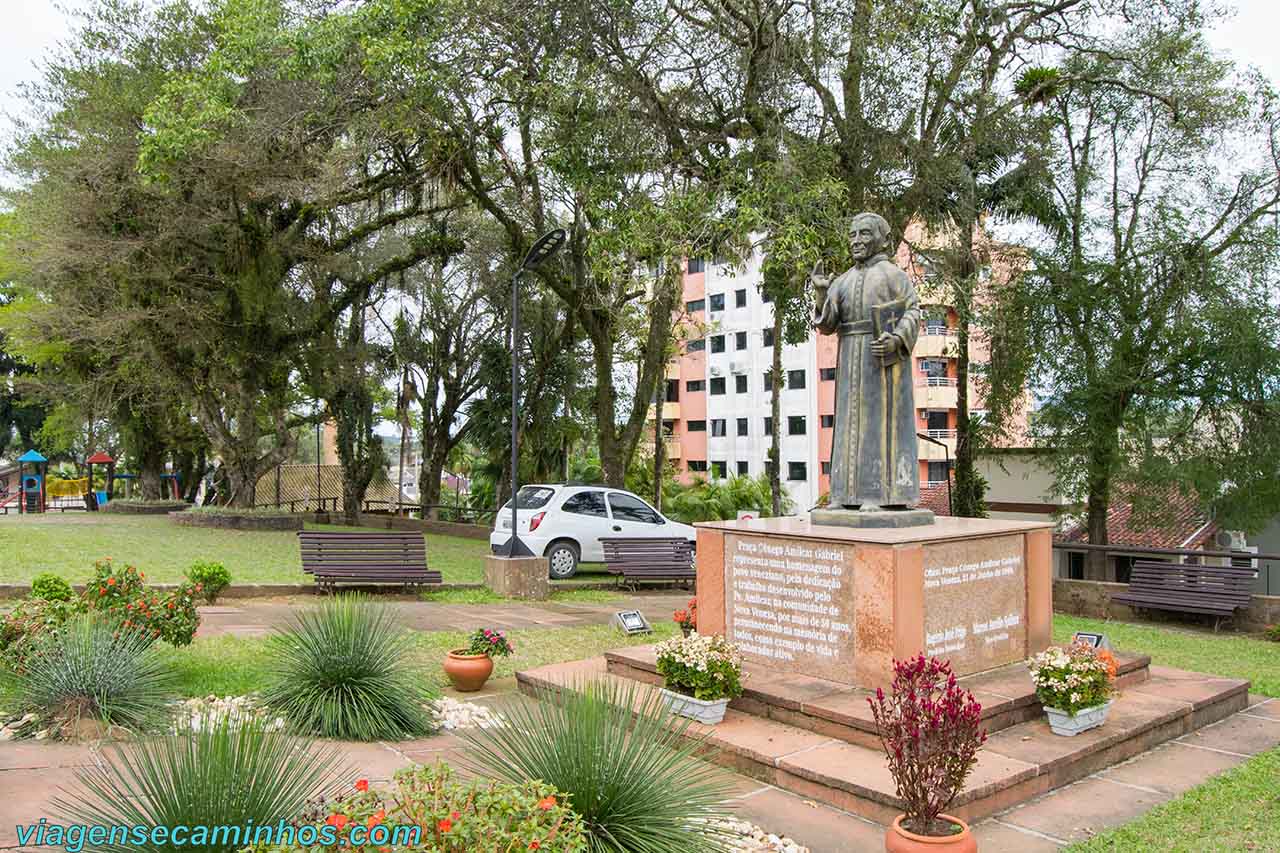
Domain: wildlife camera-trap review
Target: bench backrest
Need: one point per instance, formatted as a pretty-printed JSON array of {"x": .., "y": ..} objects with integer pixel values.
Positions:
[
  {"x": 1231, "y": 584},
  {"x": 356, "y": 551},
  {"x": 623, "y": 552}
]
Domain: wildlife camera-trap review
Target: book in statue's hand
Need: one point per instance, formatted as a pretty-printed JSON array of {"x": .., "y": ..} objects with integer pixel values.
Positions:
[{"x": 884, "y": 319}]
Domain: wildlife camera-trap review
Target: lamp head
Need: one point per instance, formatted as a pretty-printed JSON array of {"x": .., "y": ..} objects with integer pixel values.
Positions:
[{"x": 543, "y": 248}]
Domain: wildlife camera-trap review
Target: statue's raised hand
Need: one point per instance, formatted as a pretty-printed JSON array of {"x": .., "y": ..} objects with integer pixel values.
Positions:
[{"x": 821, "y": 281}]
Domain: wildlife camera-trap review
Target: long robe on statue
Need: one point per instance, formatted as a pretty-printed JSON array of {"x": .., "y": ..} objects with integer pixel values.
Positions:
[{"x": 874, "y": 452}]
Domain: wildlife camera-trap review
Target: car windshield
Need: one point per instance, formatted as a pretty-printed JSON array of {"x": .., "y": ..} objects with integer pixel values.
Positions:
[{"x": 531, "y": 497}]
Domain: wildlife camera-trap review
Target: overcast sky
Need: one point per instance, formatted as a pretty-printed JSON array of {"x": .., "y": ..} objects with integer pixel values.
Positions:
[{"x": 32, "y": 28}]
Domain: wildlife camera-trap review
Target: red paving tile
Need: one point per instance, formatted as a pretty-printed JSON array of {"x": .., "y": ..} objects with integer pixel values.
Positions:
[
  {"x": 1083, "y": 809},
  {"x": 1172, "y": 768},
  {"x": 1244, "y": 734}
]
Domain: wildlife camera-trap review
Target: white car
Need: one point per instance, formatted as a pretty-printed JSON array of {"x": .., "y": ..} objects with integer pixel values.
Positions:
[{"x": 564, "y": 523}]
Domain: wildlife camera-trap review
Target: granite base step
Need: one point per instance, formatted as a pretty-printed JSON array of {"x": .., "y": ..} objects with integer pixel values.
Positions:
[
  {"x": 1020, "y": 761},
  {"x": 839, "y": 711}
]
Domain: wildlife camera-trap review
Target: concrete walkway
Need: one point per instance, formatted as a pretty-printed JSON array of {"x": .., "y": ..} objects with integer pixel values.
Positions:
[
  {"x": 257, "y": 617},
  {"x": 34, "y": 774}
]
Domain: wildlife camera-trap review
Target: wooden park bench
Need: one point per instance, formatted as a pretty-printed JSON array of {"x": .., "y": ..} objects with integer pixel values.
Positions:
[
  {"x": 634, "y": 559},
  {"x": 376, "y": 557},
  {"x": 1216, "y": 591}
]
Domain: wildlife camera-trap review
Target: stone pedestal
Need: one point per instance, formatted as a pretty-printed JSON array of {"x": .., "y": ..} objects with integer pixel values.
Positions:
[
  {"x": 518, "y": 577},
  {"x": 842, "y": 603}
]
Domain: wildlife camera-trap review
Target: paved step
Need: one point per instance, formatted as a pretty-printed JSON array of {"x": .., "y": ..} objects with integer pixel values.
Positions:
[
  {"x": 839, "y": 711},
  {"x": 1019, "y": 762}
]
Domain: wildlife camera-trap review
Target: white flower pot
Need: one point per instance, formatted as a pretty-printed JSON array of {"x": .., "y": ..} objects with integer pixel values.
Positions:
[
  {"x": 1064, "y": 724},
  {"x": 702, "y": 710}
]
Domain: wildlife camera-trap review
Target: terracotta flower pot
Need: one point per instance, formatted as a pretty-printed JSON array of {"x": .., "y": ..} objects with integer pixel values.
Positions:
[
  {"x": 467, "y": 672},
  {"x": 899, "y": 840}
]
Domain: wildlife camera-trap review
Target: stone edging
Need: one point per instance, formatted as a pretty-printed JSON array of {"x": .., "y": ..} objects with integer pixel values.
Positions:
[
  {"x": 231, "y": 521},
  {"x": 14, "y": 591},
  {"x": 124, "y": 507}
]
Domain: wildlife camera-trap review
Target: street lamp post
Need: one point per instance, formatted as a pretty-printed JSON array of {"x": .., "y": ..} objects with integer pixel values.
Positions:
[{"x": 543, "y": 248}]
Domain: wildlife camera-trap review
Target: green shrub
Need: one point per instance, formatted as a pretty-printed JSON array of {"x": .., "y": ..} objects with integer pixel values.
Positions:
[
  {"x": 259, "y": 512},
  {"x": 627, "y": 766},
  {"x": 118, "y": 591},
  {"x": 50, "y": 587},
  {"x": 209, "y": 579},
  {"x": 455, "y": 816},
  {"x": 232, "y": 775},
  {"x": 1272, "y": 633},
  {"x": 28, "y": 624},
  {"x": 344, "y": 670},
  {"x": 92, "y": 670}
]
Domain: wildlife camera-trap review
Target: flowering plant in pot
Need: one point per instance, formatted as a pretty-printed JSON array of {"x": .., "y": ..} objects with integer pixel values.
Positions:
[
  {"x": 470, "y": 667},
  {"x": 1074, "y": 685},
  {"x": 701, "y": 674},
  {"x": 930, "y": 729},
  {"x": 687, "y": 619}
]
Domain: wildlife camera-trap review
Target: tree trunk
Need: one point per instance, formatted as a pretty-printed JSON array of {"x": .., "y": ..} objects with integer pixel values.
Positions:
[
  {"x": 775, "y": 414},
  {"x": 659, "y": 445},
  {"x": 434, "y": 459},
  {"x": 150, "y": 468}
]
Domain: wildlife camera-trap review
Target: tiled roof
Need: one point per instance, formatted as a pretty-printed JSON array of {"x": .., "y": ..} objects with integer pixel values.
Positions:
[
  {"x": 1181, "y": 523},
  {"x": 936, "y": 497}
]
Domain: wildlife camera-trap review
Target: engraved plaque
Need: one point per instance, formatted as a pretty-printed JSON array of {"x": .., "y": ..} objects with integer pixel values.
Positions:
[
  {"x": 975, "y": 602},
  {"x": 789, "y": 603}
]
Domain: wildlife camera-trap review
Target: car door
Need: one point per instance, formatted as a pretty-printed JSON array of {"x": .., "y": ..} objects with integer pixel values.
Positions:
[
  {"x": 634, "y": 517},
  {"x": 585, "y": 518}
]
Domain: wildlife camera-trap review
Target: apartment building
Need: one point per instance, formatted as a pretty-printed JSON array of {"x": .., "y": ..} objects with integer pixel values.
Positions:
[{"x": 716, "y": 413}]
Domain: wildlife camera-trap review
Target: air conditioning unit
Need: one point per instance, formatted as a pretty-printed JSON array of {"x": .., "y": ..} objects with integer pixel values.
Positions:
[
  {"x": 738, "y": 367},
  {"x": 716, "y": 370}
]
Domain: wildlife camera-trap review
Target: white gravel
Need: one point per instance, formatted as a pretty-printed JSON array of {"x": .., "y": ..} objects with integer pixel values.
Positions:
[
  {"x": 454, "y": 714},
  {"x": 204, "y": 712}
]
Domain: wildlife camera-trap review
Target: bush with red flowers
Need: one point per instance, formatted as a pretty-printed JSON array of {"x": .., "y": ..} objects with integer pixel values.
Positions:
[
  {"x": 687, "y": 619},
  {"x": 486, "y": 641},
  {"x": 930, "y": 729},
  {"x": 453, "y": 816}
]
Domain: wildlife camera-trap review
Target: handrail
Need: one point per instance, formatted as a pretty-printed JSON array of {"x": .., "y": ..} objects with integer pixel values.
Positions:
[
  {"x": 938, "y": 381},
  {"x": 940, "y": 433}
]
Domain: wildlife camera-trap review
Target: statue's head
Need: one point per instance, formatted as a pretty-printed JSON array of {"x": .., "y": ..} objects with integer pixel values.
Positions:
[{"x": 868, "y": 235}]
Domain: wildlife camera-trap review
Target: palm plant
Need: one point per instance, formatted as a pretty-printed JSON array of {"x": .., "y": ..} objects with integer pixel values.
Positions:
[
  {"x": 224, "y": 781},
  {"x": 345, "y": 670},
  {"x": 627, "y": 765},
  {"x": 94, "y": 670}
]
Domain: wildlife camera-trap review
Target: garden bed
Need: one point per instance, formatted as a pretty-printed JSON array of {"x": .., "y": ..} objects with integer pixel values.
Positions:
[
  {"x": 127, "y": 506},
  {"x": 228, "y": 519}
]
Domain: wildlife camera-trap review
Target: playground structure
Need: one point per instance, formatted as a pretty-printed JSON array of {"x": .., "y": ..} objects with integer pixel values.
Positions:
[
  {"x": 27, "y": 486},
  {"x": 31, "y": 486}
]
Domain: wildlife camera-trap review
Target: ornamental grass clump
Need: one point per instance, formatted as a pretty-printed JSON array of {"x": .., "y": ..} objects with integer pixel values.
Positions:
[
  {"x": 90, "y": 670},
  {"x": 221, "y": 783},
  {"x": 626, "y": 764},
  {"x": 1074, "y": 678},
  {"x": 930, "y": 729},
  {"x": 346, "y": 670},
  {"x": 704, "y": 666}
]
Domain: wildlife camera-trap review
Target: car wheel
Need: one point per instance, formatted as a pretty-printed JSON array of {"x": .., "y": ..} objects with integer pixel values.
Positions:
[{"x": 562, "y": 557}]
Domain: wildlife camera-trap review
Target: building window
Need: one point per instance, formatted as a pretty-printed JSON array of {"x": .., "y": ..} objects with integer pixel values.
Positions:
[
  {"x": 739, "y": 340},
  {"x": 765, "y": 297},
  {"x": 740, "y": 299},
  {"x": 768, "y": 380},
  {"x": 768, "y": 336},
  {"x": 744, "y": 469},
  {"x": 717, "y": 301},
  {"x": 827, "y": 374},
  {"x": 935, "y": 419},
  {"x": 720, "y": 469},
  {"x": 698, "y": 465},
  {"x": 795, "y": 425},
  {"x": 826, "y": 468},
  {"x": 695, "y": 385},
  {"x": 717, "y": 428},
  {"x": 717, "y": 385},
  {"x": 717, "y": 343},
  {"x": 697, "y": 346},
  {"x": 668, "y": 428},
  {"x": 1075, "y": 565},
  {"x": 673, "y": 390},
  {"x": 697, "y": 426},
  {"x": 697, "y": 265},
  {"x": 797, "y": 471},
  {"x": 768, "y": 426},
  {"x": 795, "y": 379},
  {"x": 828, "y": 421},
  {"x": 768, "y": 467},
  {"x": 742, "y": 426},
  {"x": 740, "y": 383},
  {"x": 696, "y": 305},
  {"x": 938, "y": 472},
  {"x": 935, "y": 367}
]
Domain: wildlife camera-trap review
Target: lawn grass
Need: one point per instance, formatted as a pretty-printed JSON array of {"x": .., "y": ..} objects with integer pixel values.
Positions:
[
  {"x": 234, "y": 666},
  {"x": 1238, "y": 810},
  {"x": 1231, "y": 655},
  {"x": 68, "y": 544}
]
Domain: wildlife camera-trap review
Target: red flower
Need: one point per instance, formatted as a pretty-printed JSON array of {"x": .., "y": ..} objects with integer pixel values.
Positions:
[
  {"x": 535, "y": 845},
  {"x": 362, "y": 785},
  {"x": 111, "y": 581},
  {"x": 455, "y": 815},
  {"x": 547, "y": 803},
  {"x": 375, "y": 818},
  {"x": 337, "y": 820},
  {"x": 444, "y": 825}
]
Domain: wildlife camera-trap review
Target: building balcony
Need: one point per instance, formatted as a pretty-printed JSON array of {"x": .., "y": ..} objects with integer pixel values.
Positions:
[
  {"x": 930, "y": 452},
  {"x": 670, "y": 412},
  {"x": 936, "y": 392},
  {"x": 932, "y": 345},
  {"x": 671, "y": 448}
]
